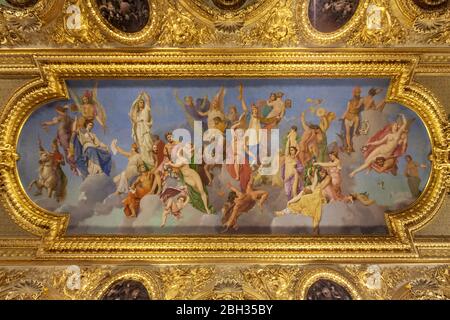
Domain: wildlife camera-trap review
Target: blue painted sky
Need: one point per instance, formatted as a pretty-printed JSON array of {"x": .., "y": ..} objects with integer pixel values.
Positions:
[{"x": 117, "y": 97}]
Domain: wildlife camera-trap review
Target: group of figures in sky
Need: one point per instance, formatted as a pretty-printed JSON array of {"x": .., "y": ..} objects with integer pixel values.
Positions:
[
  {"x": 309, "y": 171},
  {"x": 126, "y": 15}
]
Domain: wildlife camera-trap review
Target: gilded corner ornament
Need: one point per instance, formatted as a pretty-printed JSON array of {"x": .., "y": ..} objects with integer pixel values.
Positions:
[{"x": 54, "y": 68}]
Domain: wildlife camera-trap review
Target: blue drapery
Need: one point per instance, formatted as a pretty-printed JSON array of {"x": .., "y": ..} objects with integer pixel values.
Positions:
[{"x": 98, "y": 156}]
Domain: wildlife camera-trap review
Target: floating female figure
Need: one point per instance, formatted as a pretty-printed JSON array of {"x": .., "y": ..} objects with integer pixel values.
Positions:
[
  {"x": 291, "y": 172},
  {"x": 325, "y": 119},
  {"x": 313, "y": 143},
  {"x": 122, "y": 180},
  {"x": 238, "y": 133},
  {"x": 174, "y": 200},
  {"x": 240, "y": 169},
  {"x": 197, "y": 192},
  {"x": 309, "y": 202},
  {"x": 141, "y": 121},
  {"x": 278, "y": 109},
  {"x": 307, "y": 147},
  {"x": 386, "y": 145},
  {"x": 216, "y": 108},
  {"x": 90, "y": 154},
  {"x": 254, "y": 126},
  {"x": 334, "y": 170}
]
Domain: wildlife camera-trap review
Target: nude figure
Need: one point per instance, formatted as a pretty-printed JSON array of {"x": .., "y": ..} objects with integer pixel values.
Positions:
[
  {"x": 278, "y": 106},
  {"x": 369, "y": 102},
  {"x": 244, "y": 202},
  {"x": 351, "y": 118},
  {"x": 190, "y": 176},
  {"x": 385, "y": 147},
  {"x": 174, "y": 199}
]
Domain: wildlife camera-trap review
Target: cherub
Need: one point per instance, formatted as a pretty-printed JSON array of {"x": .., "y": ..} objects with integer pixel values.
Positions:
[{"x": 174, "y": 200}]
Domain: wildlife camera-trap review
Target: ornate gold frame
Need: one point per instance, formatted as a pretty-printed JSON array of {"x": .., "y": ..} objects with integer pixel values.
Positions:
[
  {"x": 321, "y": 38},
  {"x": 55, "y": 67}
]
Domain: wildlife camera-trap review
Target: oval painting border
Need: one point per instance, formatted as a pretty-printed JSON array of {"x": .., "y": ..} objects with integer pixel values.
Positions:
[
  {"x": 324, "y": 38},
  {"x": 146, "y": 34}
]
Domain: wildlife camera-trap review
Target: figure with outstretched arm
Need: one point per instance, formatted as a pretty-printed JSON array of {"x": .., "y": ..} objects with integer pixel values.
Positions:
[
  {"x": 192, "y": 179},
  {"x": 215, "y": 109},
  {"x": 244, "y": 202},
  {"x": 369, "y": 102},
  {"x": 64, "y": 123},
  {"x": 194, "y": 110},
  {"x": 384, "y": 148},
  {"x": 308, "y": 145},
  {"x": 310, "y": 200},
  {"x": 131, "y": 171},
  {"x": 351, "y": 118},
  {"x": 254, "y": 123}
]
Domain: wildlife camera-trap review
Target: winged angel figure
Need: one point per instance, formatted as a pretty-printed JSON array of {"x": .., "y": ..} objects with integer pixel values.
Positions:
[{"x": 89, "y": 107}]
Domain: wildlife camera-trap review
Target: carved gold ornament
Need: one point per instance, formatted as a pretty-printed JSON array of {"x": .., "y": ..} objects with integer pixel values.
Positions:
[
  {"x": 229, "y": 4},
  {"x": 380, "y": 27},
  {"x": 147, "y": 34},
  {"x": 309, "y": 278},
  {"x": 200, "y": 23},
  {"x": 313, "y": 36},
  {"x": 406, "y": 282},
  {"x": 55, "y": 67}
]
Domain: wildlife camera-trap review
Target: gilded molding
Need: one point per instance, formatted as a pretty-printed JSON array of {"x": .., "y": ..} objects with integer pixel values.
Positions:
[
  {"x": 195, "y": 23},
  {"x": 54, "y": 67},
  {"x": 373, "y": 282}
]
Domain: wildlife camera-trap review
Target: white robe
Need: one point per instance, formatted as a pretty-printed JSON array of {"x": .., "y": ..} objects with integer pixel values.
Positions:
[{"x": 142, "y": 135}]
